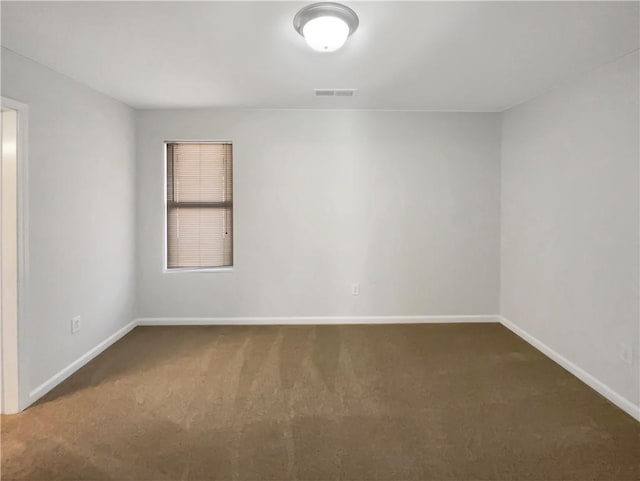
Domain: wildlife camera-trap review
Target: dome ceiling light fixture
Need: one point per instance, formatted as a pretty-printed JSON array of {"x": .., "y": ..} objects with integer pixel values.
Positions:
[{"x": 325, "y": 25}]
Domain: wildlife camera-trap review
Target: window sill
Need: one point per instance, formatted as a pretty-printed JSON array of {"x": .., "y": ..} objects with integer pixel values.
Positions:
[{"x": 179, "y": 270}]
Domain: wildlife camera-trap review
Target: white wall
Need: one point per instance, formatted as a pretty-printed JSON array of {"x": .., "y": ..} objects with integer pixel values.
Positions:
[
  {"x": 406, "y": 204},
  {"x": 570, "y": 213},
  {"x": 81, "y": 216}
]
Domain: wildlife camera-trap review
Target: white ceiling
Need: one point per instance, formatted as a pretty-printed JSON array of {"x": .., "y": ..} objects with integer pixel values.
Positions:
[{"x": 462, "y": 56}]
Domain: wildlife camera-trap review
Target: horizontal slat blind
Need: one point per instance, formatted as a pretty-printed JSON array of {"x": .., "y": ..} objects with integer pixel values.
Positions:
[{"x": 199, "y": 205}]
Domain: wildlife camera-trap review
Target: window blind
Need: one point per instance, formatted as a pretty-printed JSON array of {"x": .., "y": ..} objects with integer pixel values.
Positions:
[{"x": 199, "y": 205}]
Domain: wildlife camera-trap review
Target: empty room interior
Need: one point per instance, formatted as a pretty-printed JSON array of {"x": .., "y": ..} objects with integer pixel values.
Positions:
[{"x": 320, "y": 241}]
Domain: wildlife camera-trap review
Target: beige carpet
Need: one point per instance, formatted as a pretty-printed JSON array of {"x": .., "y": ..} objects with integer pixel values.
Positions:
[{"x": 440, "y": 402}]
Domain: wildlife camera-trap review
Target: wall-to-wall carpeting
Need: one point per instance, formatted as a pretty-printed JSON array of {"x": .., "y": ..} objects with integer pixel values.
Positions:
[{"x": 465, "y": 401}]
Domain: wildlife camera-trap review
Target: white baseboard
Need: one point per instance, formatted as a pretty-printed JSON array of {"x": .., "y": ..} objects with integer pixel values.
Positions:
[
  {"x": 301, "y": 320},
  {"x": 63, "y": 374},
  {"x": 591, "y": 381},
  {"x": 619, "y": 400}
]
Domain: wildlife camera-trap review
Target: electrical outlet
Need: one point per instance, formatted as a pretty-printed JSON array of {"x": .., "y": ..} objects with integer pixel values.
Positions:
[
  {"x": 75, "y": 324},
  {"x": 626, "y": 353},
  {"x": 355, "y": 289}
]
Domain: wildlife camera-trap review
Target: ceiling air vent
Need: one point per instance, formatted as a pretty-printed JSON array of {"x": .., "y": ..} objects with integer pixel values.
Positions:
[{"x": 335, "y": 92}]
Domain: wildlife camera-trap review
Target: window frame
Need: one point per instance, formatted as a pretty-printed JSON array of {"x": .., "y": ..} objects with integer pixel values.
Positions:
[{"x": 165, "y": 241}]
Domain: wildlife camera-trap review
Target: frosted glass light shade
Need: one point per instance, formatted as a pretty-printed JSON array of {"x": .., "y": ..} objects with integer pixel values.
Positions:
[
  {"x": 326, "y": 34},
  {"x": 325, "y": 25}
]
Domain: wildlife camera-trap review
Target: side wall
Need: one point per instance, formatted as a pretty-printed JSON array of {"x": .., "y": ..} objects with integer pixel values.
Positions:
[
  {"x": 570, "y": 222},
  {"x": 406, "y": 204},
  {"x": 81, "y": 215}
]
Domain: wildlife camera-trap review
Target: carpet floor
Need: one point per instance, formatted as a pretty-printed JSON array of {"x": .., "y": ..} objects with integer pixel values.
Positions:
[{"x": 376, "y": 402}]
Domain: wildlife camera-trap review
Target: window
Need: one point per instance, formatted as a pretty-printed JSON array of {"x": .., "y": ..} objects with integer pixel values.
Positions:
[{"x": 199, "y": 205}]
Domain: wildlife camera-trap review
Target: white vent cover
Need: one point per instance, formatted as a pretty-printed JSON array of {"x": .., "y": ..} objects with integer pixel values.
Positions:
[{"x": 335, "y": 92}]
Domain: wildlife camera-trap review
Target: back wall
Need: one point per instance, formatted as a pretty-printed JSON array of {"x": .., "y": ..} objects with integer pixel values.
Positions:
[{"x": 407, "y": 204}]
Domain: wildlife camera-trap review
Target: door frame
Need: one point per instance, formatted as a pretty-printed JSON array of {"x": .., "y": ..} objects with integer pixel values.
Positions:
[{"x": 16, "y": 398}]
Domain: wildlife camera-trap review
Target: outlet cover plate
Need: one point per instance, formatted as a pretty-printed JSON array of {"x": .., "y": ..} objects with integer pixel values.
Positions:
[
  {"x": 75, "y": 324},
  {"x": 626, "y": 353}
]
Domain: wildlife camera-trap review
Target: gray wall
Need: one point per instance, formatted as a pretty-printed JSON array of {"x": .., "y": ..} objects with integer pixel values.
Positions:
[
  {"x": 570, "y": 212},
  {"x": 406, "y": 204},
  {"x": 81, "y": 216}
]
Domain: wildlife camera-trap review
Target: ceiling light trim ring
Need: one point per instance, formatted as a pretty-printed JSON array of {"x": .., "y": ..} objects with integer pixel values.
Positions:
[{"x": 326, "y": 9}]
